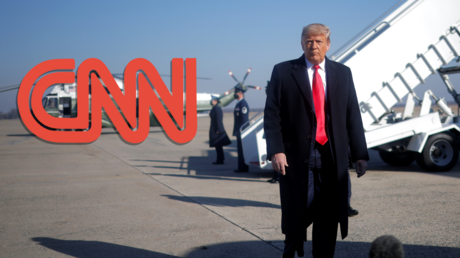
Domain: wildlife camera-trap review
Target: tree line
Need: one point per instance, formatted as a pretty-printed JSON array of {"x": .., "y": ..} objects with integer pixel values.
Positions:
[{"x": 12, "y": 114}]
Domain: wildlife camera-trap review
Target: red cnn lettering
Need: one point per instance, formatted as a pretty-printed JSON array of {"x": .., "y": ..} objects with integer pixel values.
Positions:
[{"x": 172, "y": 101}]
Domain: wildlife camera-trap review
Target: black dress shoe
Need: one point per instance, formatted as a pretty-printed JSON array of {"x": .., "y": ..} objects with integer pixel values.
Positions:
[
  {"x": 240, "y": 171},
  {"x": 291, "y": 253},
  {"x": 300, "y": 252},
  {"x": 352, "y": 212},
  {"x": 218, "y": 163},
  {"x": 273, "y": 181}
]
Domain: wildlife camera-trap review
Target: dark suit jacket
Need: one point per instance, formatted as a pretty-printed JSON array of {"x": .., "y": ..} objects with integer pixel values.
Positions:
[
  {"x": 290, "y": 128},
  {"x": 241, "y": 116}
]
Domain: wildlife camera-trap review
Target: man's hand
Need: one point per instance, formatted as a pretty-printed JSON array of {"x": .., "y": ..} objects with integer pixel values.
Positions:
[
  {"x": 361, "y": 167},
  {"x": 279, "y": 162}
]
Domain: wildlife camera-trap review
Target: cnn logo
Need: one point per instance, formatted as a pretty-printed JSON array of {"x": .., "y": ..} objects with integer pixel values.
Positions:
[{"x": 179, "y": 120}]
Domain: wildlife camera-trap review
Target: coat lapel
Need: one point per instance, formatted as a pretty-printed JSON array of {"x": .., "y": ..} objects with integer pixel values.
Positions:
[
  {"x": 299, "y": 71},
  {"x": 331, "y": 89}
]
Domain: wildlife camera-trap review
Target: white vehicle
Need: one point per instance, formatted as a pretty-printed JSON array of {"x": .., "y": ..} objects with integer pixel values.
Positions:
[{"x": 408, "y": 44}]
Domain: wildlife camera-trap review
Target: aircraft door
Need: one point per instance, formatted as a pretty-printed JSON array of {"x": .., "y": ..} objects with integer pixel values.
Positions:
[{"x": 66, "y": 106}]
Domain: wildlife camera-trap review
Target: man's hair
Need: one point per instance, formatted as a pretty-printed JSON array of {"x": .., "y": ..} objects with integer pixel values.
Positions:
[
  {"x": 386, "y": 246},
  {"x": 317, "y": 29}
]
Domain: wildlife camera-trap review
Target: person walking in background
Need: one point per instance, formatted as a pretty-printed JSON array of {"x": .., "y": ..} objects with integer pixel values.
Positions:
[
  {"x": 241, "y": 116},
  {"x": 351, "y": 212},
  {"x": 217, "y": 135}
]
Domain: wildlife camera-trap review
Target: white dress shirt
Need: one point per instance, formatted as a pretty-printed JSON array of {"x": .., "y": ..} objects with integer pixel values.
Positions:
[{"x": 321, "y": 71}]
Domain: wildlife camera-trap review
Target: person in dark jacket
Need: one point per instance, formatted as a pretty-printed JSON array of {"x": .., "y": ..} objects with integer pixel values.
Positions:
[
  {"x": 217, "y": 135},
  {"x": 241, "y": 116}
]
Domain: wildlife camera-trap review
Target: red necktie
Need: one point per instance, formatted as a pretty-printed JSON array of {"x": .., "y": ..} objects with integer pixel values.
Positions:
[{"x": 318, "y": 99}]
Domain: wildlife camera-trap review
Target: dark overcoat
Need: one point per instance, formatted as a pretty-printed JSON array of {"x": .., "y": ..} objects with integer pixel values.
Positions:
[
  {"x": 221, "y": 138},
  {"x": 241, "y": 116},
  {"x": 290, "y": 128}
]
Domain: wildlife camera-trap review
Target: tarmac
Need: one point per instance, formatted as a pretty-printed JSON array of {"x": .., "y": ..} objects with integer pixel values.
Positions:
[{"x": 160, "y": 199}]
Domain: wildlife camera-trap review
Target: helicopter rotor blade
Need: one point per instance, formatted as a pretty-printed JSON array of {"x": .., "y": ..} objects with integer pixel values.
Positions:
[
  {"x": 246, "y": 76},
  {"x": 8, "y": 88},
  {"x": 4, "y": 87},
  {"x": 204, "y": 78},
  {"x": 200, "y": 78},
  {"x": 120, "y": 76},
  {"x": 3, "y": 90},
  {"x": 254, "y": 87},
  {"x": 234, "y": 78}
]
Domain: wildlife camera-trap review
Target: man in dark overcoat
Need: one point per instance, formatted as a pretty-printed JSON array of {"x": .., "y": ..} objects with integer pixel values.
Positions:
[
  {"x": 311, "y": 115},
  {"x": 241, "y": 116},
  {"x": 217, "y": 136}
]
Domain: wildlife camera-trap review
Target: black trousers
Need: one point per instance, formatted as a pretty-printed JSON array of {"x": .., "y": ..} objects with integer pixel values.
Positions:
[
  {"x": 220, "y": 153},
  {"x": 241, "y": 165},
  {"x": 322, "y": 204}
]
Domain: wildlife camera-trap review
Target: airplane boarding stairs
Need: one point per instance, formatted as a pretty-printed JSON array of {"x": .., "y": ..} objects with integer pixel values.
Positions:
[{"x": 387, "y": 63}]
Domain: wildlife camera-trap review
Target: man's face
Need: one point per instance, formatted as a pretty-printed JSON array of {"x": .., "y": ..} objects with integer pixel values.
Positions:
[
  {"x": 315, "y": 47},
  {"x": 238, "y": 95}
]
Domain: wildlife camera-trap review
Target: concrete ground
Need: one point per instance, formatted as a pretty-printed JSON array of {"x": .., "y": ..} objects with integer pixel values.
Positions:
[{"x": 159, "y": 199}]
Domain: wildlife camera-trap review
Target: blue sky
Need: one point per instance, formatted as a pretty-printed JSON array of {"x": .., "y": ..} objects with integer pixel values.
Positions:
[{"x": 223, "y": 36}]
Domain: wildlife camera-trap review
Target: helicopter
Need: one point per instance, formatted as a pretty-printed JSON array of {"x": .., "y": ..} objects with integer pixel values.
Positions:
[{"x": 62, "y": 100}]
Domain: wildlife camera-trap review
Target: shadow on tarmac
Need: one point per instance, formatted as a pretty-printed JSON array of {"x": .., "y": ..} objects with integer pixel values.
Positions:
[
  {"x": 96, "y": 249},
  {"x": 201, "y": 167},
  {"x": 208, "y": 177},
  {"x": 201, "y": 164},
  {"x": 221, "y": 202}
]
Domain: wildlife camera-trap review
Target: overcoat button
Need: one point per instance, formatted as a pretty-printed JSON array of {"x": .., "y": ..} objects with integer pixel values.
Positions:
[
  {"x": 306, "y": 161},
  {"x": 308, "y": 136}
]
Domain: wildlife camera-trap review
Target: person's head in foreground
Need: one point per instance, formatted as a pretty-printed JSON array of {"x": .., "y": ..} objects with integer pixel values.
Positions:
[{"x": 386, "y": 246}]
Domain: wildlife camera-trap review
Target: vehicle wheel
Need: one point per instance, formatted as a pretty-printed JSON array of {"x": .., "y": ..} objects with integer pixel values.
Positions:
[
  {"x": 398, "y": 158},
  {"x": 439, "y": 154}
]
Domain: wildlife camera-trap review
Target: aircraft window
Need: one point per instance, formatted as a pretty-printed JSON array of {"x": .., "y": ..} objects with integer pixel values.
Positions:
[{"x": 52, "y": 103}]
